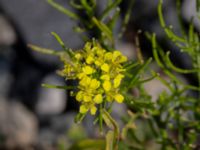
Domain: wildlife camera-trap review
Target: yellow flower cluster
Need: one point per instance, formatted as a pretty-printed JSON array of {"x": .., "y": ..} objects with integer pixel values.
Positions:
[{"x": 99, "y": 74}]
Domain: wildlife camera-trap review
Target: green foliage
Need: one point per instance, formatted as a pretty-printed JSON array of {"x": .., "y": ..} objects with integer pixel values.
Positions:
[
  {"x": 172, "y": 121},
  {"x": 101, "y": 25}
]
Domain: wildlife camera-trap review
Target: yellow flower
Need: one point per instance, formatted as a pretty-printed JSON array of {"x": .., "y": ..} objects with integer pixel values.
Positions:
[
  {"x": 79, "y": 96},
  {"x": 119, "y": 98},
  {"x": 107, "y": 85},
  {"x": 89, "y": 60},
  {"x": 98, "y": 63},
  {"x": 117, "y": 80},
  {"x": 85, "y": 81},
  {"x": 117, "y": 56},
  {"x": 98, "y": 99},
  {"x": 105, "y": 77},
  {"x": 83, "y": 109},
  {"x": 99, "y": 51},
  {"x": 78, "y": 56},
  {"x": 93, "y": 110},
  {"x": 108, "y": 56},
  {"x": 105, "y": 67},
  {"x": 88, "y": 70},
  {"x": 68, "y": 69},
  {"x": 88, "y": 46},
  {"x": 99, "y": 75},
  {"x": 123, "y": 59},
  {"x": 81, "y": 75},
  {"x": 87, "y": 98},
  {"x": 94, "y": 84}
]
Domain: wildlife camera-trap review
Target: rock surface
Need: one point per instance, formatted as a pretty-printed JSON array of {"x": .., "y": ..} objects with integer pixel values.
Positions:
[{"x": 18, "y": 127}]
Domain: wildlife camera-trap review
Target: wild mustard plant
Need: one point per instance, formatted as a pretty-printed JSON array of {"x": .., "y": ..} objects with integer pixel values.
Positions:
[
  {"x": 104, "y": 76},
  {"x": 99, "y": 74}
]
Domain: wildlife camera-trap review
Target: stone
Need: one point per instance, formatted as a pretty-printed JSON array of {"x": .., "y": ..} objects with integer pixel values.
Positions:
[
  {"x": 190, "y": 12},
  {"x": 7, "y": 34},
  {"x": 18, "y": 127},
  {"x": 51, "y": 101}
]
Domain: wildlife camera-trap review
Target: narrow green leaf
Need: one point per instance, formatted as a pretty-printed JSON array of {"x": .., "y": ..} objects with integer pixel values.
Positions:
[
  {"x": 155, "y": 52},
  {"x": 167, "y": 30},
  {"x": 88, "y": 144},
  {"x": 63, "y": 10},
  {"x": 111, "y": 123},
  {"x": 74, "y": 5},
  {"x": 101, "y": 118},
  {"x": 172, "y": 76},
  {"x": 44, "y": 50},
  {"x": 79, "y": 117},
  {"x": 109, "y": 8},
  {"x": 137, "y": 73},
  {"x": 58, "y": 38},
  {"x": 160, "y": 14},
  {"x": 58, "y": 86},
  {"x": 87, "y": 7},
  {"x": 164, "y": 82},
  {"x": 104, "y": 29},
  {"x": 109, "y": 140},
  {"x": 179, "y": 70},
  {"x": 191, "y": 33},
  {"x": 148, "y": 79},
  {"x": 130, "y": 65}
]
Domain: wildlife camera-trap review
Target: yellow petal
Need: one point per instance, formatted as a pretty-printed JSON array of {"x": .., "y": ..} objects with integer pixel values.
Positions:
[
  {"x": 123, "y": 59},
  {"x": 87, "y": 98},
  {"x": 108, "y": 56},
  {"x": 117, "y": 80},
  {"x": 85, "y": 81},
  {"x": 83, "y": 109},
  {"x": 87, "y": 46},
  {"x": 81, "y": 75},
  {"x": 98, "y": 63},
  {"x": 88, "y": 70},
  {"x": 107, "y": 85},
  {"x": 79, "y": 96},
  {"x": 105, "y": 67},
  {"x": 119, "y": 98},
  {"x": 93, "y": 110},
  {"x": 105, "y": 77},
  {"x": 116, "y": 54},
  {"x": 78, "y": 56},
  {"x": 89, "y": 60},
  {"x": 100, "y": 51},
  {"x": 94, "y": 84},
  {"x": 98, "y": 99}
]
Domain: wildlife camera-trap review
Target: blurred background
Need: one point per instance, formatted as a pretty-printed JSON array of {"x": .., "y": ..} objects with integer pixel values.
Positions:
[{"x": 32, "y": 117}]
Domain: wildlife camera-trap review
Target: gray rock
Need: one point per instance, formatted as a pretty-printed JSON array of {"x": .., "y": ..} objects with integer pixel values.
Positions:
[
  {"x": 7, "y": 34},
  {"x": 189, "y": 12},
  {"x": 5, "y": 79},
  {"x": 18, "y": 126},
  {"x": 50, "y": 136},
  {"x": 51, "y": 101},
  {"x": 36, "y": 19}
]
